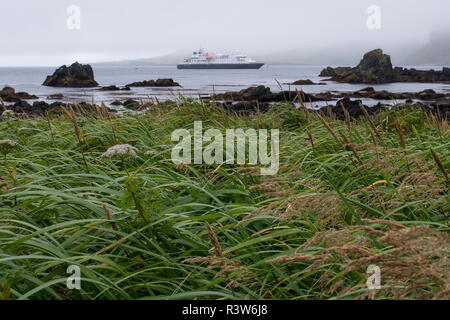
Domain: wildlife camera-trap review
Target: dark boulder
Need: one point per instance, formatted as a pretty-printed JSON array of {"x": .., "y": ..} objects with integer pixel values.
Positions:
[
  {"x": 332, "y": 72},
  {"x": 7, "y": 91},
  {"x": 352, "y": 107},
  {"x": 153, "y": 83},
  {"x": 306, "y": 82},
  {"x": 109, "y": 88},
  {"x": 75, "y": 76},
  {"x": 246, "y": 107},
  {"x": 429, "y": 94},
  {"x": 56, "y": 96},
  {"x": 328, "y": 72},
  {"x": 259, "y": 93},
  {"x": 368, "y": 89},
  {"x": 9, "y": 94},
  {"x": 116, "y": 103},
  {"x": 131, "y": 104}
]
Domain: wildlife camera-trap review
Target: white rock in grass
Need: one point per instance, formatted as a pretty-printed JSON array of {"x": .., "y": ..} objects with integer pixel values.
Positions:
[
  {"x": 121, "y": 150},
  {"x": 6, "y": 146},
  {"x": 8, "y": 115}
]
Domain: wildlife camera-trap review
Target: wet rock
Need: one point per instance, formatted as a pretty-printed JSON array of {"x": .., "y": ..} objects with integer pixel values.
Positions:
[
  {"x": 352, "y": 107},
  {"x": 116, "y": 103},
  {"x": 109, "y": 88},
  {"x": 332, "y": 72},
  {"x": 428, "y": 94},
  {"x": 245, "y": 107},
  {"x": 75, "y": 76},
  {"x": 40, "y": 108},
  {"x": 413, "y": 75},
  {"x": 56, "y": 96},
  {"x": 259, "y": 93},
  {"x": 131, "y": 104},
  {"x": 153, "y": 83},
  {"x": 9, "y": 94},
  {"x": 306, "y": 82}
]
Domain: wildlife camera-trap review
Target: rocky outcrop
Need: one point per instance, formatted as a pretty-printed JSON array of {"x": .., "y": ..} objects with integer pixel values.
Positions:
[
  {"x": 353, "y": 107},
  {"x": 129, "y": 104},
  {"x": 413, "y": 75},
  {"x": 306, "y": 82},
  {"x": 154, "y": 83},
  {"x": 264, "y": 94},
  {"x": 56, "y": 96},
  {"x": 9, "y": 94},
  {"x": 75, "y": 76},
  {"x": 332, "y": 72},
  {"x": 114, "y": 88},
  {"x": 376, "y": 68},
  {"x": 40, "y": 108}
]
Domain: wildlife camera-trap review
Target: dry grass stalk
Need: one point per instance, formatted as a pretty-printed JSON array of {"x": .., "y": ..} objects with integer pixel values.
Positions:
[
  {"x": 3, "y": 104},
  {"x": 71, "y": 117},
  {"x": 414, "y": 262},
  {"x": 438, "y": 161},
  {"x": 110, "y": 218},
  {"x": 329, "y": 129},
  {"x": 416, "y": 133},
  {"x": 214, "y": 241},
  {"x": 369, "y": 119},
  {"x": 347, "y": 118},
  {"x": 400, "y": 134},
  {"x": 352, "y": 147},
  {"x": 308, "y": 127},
  {"x": 108, "y": 116}
]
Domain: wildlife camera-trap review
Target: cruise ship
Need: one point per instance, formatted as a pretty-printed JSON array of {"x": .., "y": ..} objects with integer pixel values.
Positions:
[{"x": 205, "y": 60}]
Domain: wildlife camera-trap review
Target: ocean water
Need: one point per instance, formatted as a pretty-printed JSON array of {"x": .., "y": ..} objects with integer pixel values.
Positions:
[{"x": 193, "y": 82}]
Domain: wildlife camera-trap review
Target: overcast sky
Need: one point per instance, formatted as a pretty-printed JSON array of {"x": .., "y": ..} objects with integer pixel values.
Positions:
[{"x": 36, "y": 32}]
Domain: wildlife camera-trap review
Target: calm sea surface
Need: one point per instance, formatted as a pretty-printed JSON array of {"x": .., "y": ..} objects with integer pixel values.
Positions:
[{"x": 193, "y": 82}]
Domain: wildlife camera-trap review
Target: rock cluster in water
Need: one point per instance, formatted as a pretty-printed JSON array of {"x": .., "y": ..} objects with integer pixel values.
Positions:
[
  {"x": 75, "y": 76},
  {"x": 40, "y": 108},
  {"x": 306, "y": 82},
  {"x": 154, "y": 83},
  {"x": 9, "y": 94},
  {"x": 376, "y": 68}
]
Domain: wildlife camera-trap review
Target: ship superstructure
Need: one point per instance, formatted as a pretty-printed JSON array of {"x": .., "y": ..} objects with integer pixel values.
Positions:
[{"x": 206, "y": 60}]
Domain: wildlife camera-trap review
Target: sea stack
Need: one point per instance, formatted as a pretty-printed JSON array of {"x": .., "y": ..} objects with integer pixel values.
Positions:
[
  {"x": 376, "y": 68},
  {"x": 76, "y": 76}
]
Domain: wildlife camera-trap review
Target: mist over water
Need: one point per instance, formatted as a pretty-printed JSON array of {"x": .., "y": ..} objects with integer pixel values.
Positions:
[{"x": 36, "y": 33}]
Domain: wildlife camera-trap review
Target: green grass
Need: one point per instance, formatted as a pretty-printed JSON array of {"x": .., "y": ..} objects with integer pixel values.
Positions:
[{"x": 309, "y": 232}]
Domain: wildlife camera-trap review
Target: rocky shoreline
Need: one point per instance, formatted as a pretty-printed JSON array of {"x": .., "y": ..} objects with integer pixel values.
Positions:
[
  {"x": 253, "y": 99},
  {"x": 264, "y": 94},
  {"x": 376, "y": 68}
]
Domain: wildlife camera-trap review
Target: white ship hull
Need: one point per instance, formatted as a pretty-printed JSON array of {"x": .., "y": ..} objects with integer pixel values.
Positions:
[{"x": 220, "y": 65}]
